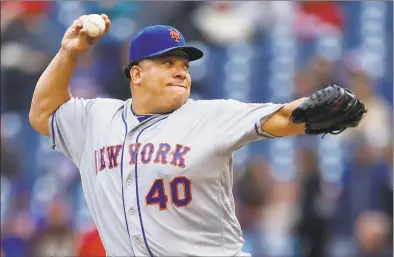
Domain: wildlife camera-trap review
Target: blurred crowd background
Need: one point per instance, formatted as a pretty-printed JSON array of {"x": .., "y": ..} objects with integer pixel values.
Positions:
[{"x": 296, "y": 197}]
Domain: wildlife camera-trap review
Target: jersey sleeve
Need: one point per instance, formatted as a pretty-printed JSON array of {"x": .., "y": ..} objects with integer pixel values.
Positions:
[
  {"x": 239, "y": 123},
  {"x": 68, "y": 126}
]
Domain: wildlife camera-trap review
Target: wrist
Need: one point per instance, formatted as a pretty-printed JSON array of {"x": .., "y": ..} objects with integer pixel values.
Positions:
[
  {"x": 288, "y": 109},
  {"x": 69, "y": 55}
]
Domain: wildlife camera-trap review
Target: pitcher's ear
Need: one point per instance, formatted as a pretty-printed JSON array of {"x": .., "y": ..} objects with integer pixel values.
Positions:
[{"x": 135, "y": 75}]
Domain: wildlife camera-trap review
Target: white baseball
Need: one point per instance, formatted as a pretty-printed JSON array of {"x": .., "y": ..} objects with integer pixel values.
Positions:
[{"x": 94, "y": 24}]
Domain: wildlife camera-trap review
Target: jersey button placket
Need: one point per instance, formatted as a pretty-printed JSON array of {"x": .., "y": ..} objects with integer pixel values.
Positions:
[
  {"x": 132, "y": 211},
  {"x": 137, "y": 240},
  {"x": 129, "y": 177}
]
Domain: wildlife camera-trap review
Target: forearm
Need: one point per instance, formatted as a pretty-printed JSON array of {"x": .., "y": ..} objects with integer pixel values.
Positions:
[
  {"x": 287, "y": 110},
  {"x": 52, "y": 90},
  {"x": 280, "y": 125}
]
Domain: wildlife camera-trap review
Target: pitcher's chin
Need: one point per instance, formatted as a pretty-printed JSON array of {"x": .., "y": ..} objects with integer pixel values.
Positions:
[{"x": 179, "y": 100}]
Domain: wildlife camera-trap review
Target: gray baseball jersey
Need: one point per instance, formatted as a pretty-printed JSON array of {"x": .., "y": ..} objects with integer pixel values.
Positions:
[{"x": 161, "y": 187}]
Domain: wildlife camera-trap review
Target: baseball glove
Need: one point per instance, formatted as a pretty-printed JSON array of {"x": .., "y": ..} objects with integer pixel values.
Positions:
[{"x": 330, "y": 110}]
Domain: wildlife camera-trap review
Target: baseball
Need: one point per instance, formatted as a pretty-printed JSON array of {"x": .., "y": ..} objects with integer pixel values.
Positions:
[{"x": 95, "y": 25}]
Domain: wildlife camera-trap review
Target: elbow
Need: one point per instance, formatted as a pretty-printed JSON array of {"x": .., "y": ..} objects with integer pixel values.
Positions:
[
  {"x": 33, "y": 113},
  {"x": 39, "y": 122},
  {"x": 33, "y": 120}
]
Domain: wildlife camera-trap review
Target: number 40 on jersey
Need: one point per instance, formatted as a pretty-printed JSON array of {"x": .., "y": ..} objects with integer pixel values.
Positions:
[{"x": 180, "y": 193}]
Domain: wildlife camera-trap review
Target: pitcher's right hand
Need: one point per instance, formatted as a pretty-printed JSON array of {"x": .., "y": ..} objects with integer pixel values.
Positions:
[{"x": 76, "y": 40}]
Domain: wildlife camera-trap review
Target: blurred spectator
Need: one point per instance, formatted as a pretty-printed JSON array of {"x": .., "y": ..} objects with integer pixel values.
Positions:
[
  {"x": 388, "y": 193},
  {"x": 27, "y": 7},
  {"x": 265, "y": 209},
  {"x": 363, "y": 184},
  {"x": 324, "y": 71},
  {"x": 255, "y": 183},
  {"x": 84, "y": 82},
  {"x": 315, "y": 17},
  {"x": 9, "y": 13},
  {"x": 305, "y": 83},
  {"x": 273, "y": 14},
  {"x": 57, "y": 237},
  {"x": 24, "y": 53},
  {"x": 312, "y": 225},
  {"x": 175, "y": 13},
  {"x": 222, "y": 23},
  {"x": 376, "y": 127},
  {"x": 371, "y": 232},
  {"x": 10, "y": 163},
  {"x": 16, "y": 234},
  {"x": 90, "y": 244},
  {"x": 251, "y": 193},
  {"x": 278, "y": 220}
]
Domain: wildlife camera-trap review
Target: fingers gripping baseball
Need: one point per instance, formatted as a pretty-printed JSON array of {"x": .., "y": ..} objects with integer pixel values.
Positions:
[{"x": 85, "y": 32}]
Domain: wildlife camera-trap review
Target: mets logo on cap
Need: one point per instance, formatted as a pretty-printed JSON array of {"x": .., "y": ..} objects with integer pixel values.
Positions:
[{"x": 175, "y": 35}]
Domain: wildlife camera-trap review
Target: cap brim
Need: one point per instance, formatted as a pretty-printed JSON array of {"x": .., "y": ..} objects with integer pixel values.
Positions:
[{"x": 192, "y": 52}]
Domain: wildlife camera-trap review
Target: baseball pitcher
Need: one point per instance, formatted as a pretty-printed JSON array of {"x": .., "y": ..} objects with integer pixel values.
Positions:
[{"x": 156, "y": 169}]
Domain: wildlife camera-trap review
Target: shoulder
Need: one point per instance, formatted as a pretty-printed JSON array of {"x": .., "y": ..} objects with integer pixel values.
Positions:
[
  {"x": 99, "y": 108},
  {"x": 203, "y": 106},
  {"x": 105, "y": 111},
  {"x": 209, "y": 103},
  {"x": 107, "y": 102},
  {"x": 77, "y": 106},
  {"x": 106, "y": 105},
  {"x": 224, "y": 104}
]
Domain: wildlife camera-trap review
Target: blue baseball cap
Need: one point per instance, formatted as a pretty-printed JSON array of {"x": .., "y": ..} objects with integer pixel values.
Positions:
[{"x": 156, "y": 40}]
